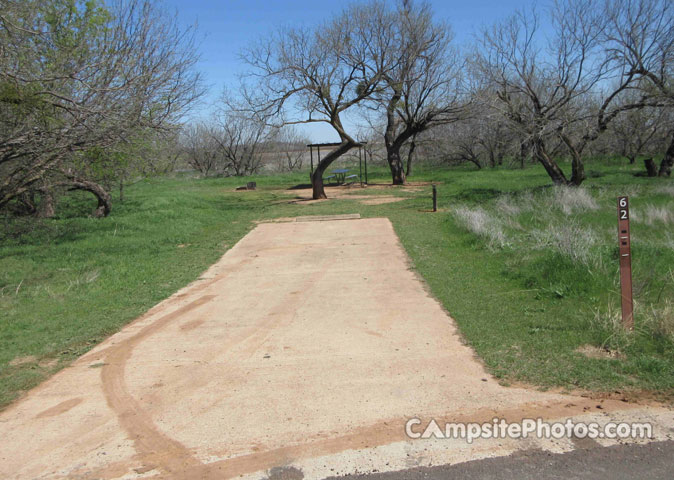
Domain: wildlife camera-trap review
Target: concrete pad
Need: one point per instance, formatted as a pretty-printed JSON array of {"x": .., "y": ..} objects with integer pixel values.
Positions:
[
  {"x": 305, "y": 348},
  {"x": 324, "y": 218}
]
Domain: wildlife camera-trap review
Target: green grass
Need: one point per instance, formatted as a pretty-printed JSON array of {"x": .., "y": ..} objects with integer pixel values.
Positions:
[{"x": 69, "y": 282}]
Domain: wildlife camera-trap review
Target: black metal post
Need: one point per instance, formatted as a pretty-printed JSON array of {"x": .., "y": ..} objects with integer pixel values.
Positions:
[
  {"x": 365, "y": 155},
  {"x": 311, "y": 176},
  {"x": 360, "y": 165},
  {"x": 435, "y": 199}
]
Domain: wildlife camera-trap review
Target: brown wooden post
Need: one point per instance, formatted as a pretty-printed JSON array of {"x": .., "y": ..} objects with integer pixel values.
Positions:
[{"x": 626, "y": 301}]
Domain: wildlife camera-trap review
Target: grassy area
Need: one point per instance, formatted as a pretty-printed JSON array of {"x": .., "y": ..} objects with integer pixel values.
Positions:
[{"x": 529, "y": 272}]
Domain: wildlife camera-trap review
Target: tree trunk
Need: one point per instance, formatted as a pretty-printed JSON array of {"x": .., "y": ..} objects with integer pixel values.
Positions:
[
  {"x": 410, "y": 155},
  {"x": 555, "y": 173},
  {"x": 104, "y": 202},
  {"x": 318, "y": 190},
  {"x": 651, "y": 169},
  {"x": 395, "y": 163},
  {"x": 524, "y": 148},
  {"x": 577, "y": 167},
  {"x": 46, "y": 209},
  {"x": 577, "y": 170},
  {"x": 667, "y": 161},
  {"x": 475, "y": 160}
]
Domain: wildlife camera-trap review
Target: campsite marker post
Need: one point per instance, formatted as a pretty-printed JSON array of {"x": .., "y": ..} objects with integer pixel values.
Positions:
[{"x": 626, "y": 301}]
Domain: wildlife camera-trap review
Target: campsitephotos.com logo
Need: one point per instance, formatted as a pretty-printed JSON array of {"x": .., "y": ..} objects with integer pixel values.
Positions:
[{"x": 528, "y": 427}]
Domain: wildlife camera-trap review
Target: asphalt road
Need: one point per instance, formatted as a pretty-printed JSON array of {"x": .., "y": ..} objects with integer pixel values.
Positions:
[{"x": 653, "y": 461}]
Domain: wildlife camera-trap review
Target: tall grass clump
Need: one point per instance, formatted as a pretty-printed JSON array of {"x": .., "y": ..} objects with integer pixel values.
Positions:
[
  {"x": 573, "y": 199},
  {"x": 571, "y": 240},
  {"x": 655, "y": 214},
  {"x": 659, "y": 320},
  {"x": 666, "y": 189},
  {"x": 612, "y": 334},
  {"x": 481, "y": 223},
  {"x": 507, "y": 205},
  {"x": 669, "y": 241},
  {"x": 513, "y": 205},
  {"x": 653, "y": 321}
]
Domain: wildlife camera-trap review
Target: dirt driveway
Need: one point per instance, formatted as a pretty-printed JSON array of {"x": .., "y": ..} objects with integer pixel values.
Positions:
[{"x": 301, "y": 353}]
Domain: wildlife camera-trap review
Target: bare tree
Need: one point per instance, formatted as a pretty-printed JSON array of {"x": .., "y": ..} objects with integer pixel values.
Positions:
[
  {"x": 240, "y": 142},
  {"x": 77, "y": 76},
  {"x": 640, "y": 40},
  {"x": 423, "y": 84},
  {"x": 637, "y": 132},
  {"x": 458, "y": 143},
  {"x": 483, "y": 138},
  {"x": 569, "y": 92},
  {"x": 304, "y": 76},
  {"x": 291, "y": 148},
  {"x": 201, "y": 149},
  {"x": 165, "y": 154}
]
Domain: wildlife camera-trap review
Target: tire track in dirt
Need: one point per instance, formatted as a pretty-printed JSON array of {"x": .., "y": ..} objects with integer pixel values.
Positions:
[
  {"x": 154, "y": 448},
  {"x": 383, "y": 434}
]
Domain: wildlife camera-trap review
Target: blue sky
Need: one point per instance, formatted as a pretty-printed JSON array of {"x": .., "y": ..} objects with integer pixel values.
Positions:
[{"x": 227, "y": 26}]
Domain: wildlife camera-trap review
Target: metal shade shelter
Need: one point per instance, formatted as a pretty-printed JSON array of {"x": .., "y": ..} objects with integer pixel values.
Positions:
[{"x": 362, "y": 156}]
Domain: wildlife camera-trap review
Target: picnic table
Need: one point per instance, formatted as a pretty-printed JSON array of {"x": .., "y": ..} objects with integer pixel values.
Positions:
[{"x": 340, "y": 175}]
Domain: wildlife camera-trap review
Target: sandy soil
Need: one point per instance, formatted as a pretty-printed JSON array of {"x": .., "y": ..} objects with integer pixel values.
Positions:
[
  {"x": 303, "y": 196},
  {"x": 302, "y": 353}
]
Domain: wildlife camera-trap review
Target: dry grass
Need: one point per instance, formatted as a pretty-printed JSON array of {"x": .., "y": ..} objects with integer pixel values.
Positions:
[
  {"x": 513, "y": 205},
  {"x": 655, "y": 320},
  {"x": 590, "y": 351},
  {"x": 481, "y": 223},
  {"x": 655, "y": 214},
  {"x": 568, "y": 200},
  {"x": 571, "y": 240},
  {"x": 666, "y": 189},
  {"x": 669, "y": 240},
  {"x": 610, "y": 321},
  {"x": 573, "y": 199},
  {"x": 508, "y": 205},
  {"x": 659, "y": 319}
]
